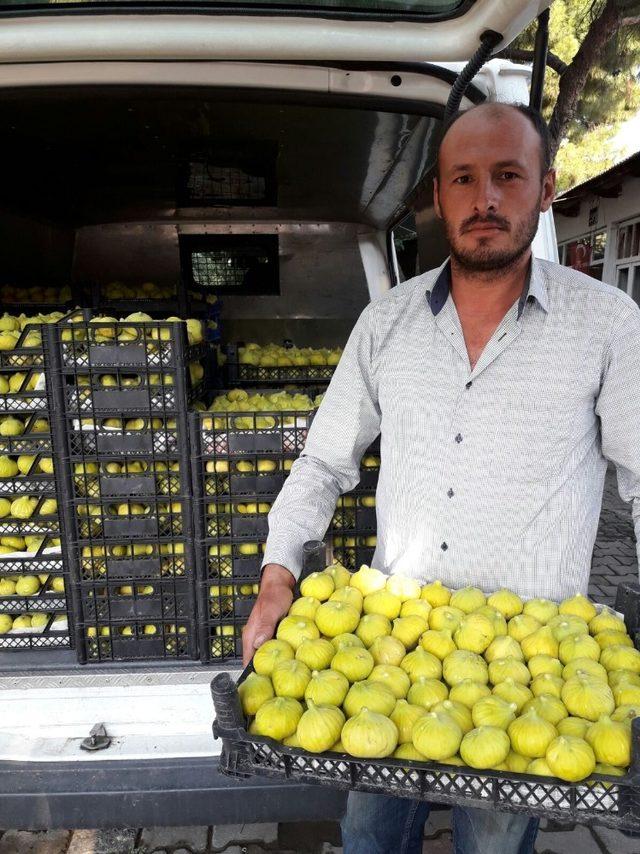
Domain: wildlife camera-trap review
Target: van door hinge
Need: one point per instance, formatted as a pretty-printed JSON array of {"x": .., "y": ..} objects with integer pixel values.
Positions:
[{"x": 97, "y": 739}]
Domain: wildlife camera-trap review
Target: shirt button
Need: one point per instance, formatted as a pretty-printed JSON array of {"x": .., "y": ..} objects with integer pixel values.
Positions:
[
  {"x": 450, "y": 493},
  {"x": 444, "y": 547},
  {"x": 469, "y": 384},
  {"x": 458, "y": 438}
]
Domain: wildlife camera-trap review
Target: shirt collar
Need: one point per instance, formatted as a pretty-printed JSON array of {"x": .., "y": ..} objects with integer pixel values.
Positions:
[{"x": 534, "y": 286}]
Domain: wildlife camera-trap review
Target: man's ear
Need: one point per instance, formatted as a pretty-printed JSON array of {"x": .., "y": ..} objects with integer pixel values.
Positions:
[
  {"x": 436, "y": 198},
  {"x": 548, "y": 190}
]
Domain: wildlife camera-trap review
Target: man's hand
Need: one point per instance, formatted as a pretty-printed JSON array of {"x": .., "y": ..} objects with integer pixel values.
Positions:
[{"x": 274, "y": 600}]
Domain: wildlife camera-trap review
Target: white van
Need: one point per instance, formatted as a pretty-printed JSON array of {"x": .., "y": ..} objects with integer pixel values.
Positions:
[{"x": 134, "y": 134}]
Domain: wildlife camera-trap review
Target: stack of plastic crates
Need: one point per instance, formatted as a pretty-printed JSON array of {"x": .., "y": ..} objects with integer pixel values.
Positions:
[
  {"x": 353, "y": 527},
  {"x": 33, "y": 606},
  {"x": 240, "y": 463},
  {"x": 121, "y": 395}
]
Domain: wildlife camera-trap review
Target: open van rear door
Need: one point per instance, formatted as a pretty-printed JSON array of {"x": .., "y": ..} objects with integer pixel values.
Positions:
[{"x": 323, "y": 30}]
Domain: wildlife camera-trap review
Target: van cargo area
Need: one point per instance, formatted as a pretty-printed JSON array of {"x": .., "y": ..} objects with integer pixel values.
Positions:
[{"x": 139, "y": 455}]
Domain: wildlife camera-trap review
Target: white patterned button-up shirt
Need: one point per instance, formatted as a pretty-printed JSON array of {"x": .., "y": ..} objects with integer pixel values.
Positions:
[{"x": 492, "y": 476}]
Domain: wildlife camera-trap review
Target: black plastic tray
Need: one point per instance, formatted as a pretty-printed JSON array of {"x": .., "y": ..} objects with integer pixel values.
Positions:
[
  {"x": 241, "y": 374},
  {"x": 29, "y": 441},
  {"x": 356, "y": 519},
  {"x": 611, "y": 801},
  {"x": 104, "y": 603},
  {"x": 124, "y": 570},
  {"x": 48, "y": 638},
  {"x": 352, "y": 557},
  {"x": 147, "y": 486},
  {"x": 224, "y": 435},
  {"x": 105, "y": 444},
  {"x": 234, "y": 526},
  {"x": 159, "y": 523},
  {"x": 33, "y": 563},
  {"x": 167, "y": 643},
  {"x": 28, "y": 484},
  {"x": 150, "y": 347}
]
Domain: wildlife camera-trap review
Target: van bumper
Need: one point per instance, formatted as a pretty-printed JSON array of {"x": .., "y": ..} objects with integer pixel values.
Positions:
[{"x": 151, "y": 793}]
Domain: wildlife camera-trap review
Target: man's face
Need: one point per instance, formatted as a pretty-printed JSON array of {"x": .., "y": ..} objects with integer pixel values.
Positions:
[{"x": 490, "y": 191}]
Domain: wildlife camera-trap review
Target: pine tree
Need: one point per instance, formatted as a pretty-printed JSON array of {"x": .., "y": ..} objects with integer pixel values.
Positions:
[{"x": 596, "y": 46}]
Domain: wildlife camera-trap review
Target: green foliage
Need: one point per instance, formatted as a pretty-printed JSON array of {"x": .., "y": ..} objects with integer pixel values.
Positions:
[{"x": 611, "y": 94}]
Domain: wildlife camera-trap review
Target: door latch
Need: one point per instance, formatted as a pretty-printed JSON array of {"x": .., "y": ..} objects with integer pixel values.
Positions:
[{"x": 97, "y": 739}]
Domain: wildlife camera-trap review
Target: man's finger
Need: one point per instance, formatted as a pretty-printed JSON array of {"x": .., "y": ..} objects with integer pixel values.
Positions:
[{"x": 254, "y": 637}]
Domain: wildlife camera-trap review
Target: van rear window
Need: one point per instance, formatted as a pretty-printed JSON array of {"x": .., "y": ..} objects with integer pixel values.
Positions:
[{"x": 233, "y": 265}]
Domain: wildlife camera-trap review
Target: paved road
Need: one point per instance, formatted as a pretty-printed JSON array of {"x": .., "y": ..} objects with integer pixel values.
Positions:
[{"x": 614, "y": 560}]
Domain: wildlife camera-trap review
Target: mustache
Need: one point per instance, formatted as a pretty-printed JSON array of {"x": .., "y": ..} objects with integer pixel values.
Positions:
[{"x": 489, "y": 219}]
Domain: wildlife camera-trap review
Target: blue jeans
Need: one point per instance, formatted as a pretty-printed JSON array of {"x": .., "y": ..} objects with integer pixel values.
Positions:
[{"x": 377, "y": 824}]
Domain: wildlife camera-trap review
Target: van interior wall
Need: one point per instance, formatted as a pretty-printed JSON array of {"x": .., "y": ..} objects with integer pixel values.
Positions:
[
  {"x": 35, "y": 251},
  {"x": 323, "y": 287},
  {"x": 110, "y": 177}
]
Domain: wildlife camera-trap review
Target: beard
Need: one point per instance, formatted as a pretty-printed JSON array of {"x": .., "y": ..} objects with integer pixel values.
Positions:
[{"x": 484, "y": 258}]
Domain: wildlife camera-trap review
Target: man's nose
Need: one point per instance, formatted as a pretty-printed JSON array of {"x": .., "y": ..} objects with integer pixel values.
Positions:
[{"x": 487, "y": 195}]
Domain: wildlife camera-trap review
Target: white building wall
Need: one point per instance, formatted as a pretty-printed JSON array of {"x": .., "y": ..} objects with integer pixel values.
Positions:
[{"x": 610, "y": 212}]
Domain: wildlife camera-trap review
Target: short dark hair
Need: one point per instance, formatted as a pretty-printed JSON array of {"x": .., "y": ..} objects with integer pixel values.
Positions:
[{"x": 534, "y": 116}]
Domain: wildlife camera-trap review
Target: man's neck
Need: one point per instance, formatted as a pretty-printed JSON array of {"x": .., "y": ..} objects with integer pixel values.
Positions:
[{"x": 488, "y": 294}]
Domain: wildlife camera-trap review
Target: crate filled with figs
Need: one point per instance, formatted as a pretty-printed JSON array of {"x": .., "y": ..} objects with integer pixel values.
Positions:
[{"x": 385, "y": 684}]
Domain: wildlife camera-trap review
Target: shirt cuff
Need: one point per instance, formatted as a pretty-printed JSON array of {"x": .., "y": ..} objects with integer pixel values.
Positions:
[{"x": 284, "y": 555}]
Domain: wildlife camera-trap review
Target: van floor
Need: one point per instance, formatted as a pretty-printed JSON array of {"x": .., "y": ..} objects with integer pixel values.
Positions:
[{"x": 614, "y": 561}]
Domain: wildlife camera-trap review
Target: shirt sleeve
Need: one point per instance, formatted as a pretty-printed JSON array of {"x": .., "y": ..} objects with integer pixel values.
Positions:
[
  {"x": 618, "y": 407},
  {"x": 346, "y": 423}
]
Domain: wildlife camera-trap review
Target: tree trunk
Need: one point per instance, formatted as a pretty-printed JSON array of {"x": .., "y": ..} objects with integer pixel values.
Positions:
[{"x": 574, "y": 77}]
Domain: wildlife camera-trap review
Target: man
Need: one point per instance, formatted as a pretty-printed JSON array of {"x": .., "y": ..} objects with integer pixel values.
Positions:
[{"x": 500, "y": 385}]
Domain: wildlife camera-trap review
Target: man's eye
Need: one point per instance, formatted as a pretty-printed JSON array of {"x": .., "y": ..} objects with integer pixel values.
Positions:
[
  {"x": 462, "y": 179},
  {"x": 509, "y": 176}
]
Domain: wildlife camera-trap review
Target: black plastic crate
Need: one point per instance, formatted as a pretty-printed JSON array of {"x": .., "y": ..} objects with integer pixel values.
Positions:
[
  {"x": 351, "y": 551},
  {"x": 47, "y": 563},
  {"x": 224, "y": 608},
  {"x": 36, "y": 525},
  {"x": 132, "y": 347},
  {"x": 355, "y": 513},
  {"x": 132, "y": 640},
  {"x": 222, "y": 602},
  {"x": 236, "y": 520},
  {"x": 29, "y": 392},
  {"x": 34, "y": 438},
  {"x": 46, "y": 560},
  {"x": 128, "y": 479},
  {"x": 27, "y": 351},
  {"x": 253, "y": 476},
  {"x": 53, "y": 635},
  {"x": 239, "y": 373},
  {"x": 230, "y": 434},
  {"x": 117, "y": 562},
  {"x": 100, "y": 400},
  {"x": 99, "y": 441},
  {"x": 602, "y": 799},
  {"x": 229, "y": 560},
  {"x": 116, "y": 601},
  {"x": 224, "y": 641},
  {"x": 223, "y": 478},
  {"x": 46, "y": 600},
  {"x": 368, "y": 479},
  {"x": 130, "y": 520}
]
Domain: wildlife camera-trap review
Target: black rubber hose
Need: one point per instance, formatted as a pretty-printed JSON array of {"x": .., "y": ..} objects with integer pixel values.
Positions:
[{"x": 488, "y": 41}]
